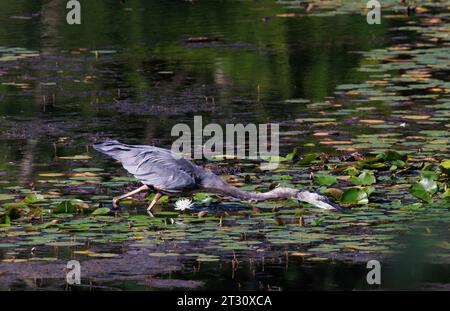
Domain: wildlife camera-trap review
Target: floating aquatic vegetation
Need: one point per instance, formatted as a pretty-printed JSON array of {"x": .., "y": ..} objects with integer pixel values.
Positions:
[{"x": 346, "y": 151}]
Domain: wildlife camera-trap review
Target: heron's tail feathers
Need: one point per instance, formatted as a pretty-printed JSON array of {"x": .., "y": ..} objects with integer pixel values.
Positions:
[
  {"x": 114, "y": 149},
  {"x": 105, "y": 145}
]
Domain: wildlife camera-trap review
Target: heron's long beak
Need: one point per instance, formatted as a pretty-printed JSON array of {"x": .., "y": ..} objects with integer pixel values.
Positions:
[
  {"x": 318, "y": 200},
  {"x": 332, "y": 205}
]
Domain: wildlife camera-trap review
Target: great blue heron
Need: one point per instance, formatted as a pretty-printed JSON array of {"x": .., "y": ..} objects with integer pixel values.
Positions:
[{"x": 167, "y": 173}]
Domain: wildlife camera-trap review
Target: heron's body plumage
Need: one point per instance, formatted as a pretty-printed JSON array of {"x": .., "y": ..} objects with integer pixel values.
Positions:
[{"x": 156, "y": 167}]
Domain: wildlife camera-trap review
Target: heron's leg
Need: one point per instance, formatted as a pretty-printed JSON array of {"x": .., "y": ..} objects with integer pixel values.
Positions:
[
  {"x": 155, "y": 199},
  {"x": 129, "y": 194}
]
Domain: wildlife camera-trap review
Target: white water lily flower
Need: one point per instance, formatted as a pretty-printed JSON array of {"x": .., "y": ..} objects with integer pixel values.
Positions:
[{"x": 183, "y": 204}]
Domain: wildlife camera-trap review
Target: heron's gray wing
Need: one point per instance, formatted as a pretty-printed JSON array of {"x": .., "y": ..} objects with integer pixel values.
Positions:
[
  {"x": 164, "y": 172},
  {"x": 154, "y": 166}
]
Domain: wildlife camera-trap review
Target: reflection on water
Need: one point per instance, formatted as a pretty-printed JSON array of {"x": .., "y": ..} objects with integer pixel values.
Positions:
[{"x": 147, "y": 78}]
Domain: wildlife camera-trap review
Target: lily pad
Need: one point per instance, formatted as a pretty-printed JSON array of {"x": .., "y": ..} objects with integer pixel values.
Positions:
[
  {"x": 419, "y": 191},
  {"x": 365, "y": 178},
  {"x": 101, "y": 211},
  {"x": 6, "y": 197},
  {"x": 355, "y": 196},
  {"x": 325, "y": 180}
]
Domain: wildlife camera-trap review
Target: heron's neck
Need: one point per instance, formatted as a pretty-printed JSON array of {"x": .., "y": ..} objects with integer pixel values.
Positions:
[
  {"x": 214, "y": 184},
  {"x": 278, "y": 193}
]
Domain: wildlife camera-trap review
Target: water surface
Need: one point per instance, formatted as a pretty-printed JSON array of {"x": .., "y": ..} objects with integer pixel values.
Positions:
[{"x": 334, "y": 83}]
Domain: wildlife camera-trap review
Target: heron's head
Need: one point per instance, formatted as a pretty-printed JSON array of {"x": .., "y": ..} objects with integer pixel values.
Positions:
[{"x": 317, "y": 200}]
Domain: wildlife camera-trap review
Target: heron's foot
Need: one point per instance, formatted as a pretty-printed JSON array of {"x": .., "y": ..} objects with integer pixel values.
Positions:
[
  {"x": 149, "y": 211},
  {"x": 155, "y": 199}
]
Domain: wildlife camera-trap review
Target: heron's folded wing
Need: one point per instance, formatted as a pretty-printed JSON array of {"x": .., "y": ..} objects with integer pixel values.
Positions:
[{"x": 154, "y": 166}]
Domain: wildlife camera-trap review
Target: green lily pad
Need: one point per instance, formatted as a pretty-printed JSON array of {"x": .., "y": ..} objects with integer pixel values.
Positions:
[
  {"x": 6, "y": 197},
  {"x": 103, "y": 255},
  {"x": 355, "y": 196},
  {"x": 203, "y": 198},
  {"x": 325, "y": 180},
  {"x": 419, "y": 191},
  {"x": 64, "y": 207},
  {"x": 34, "y": 198},
  {"x": 307, "y": 159},
  {"x": 391, "y": 155},
  {"x": 15, "y": 205},
  {"x": 445, "y": 167},
  {"x": 158, "y": 254},
  {"x": 365, "y": 178},
  {"x": 429, "y": 185},
  {"x": 64, "y": 244},
  {"x": 101, "y": 211}
]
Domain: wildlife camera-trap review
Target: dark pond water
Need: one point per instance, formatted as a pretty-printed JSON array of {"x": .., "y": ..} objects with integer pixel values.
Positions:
[{"x": 335, "y": 84}]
